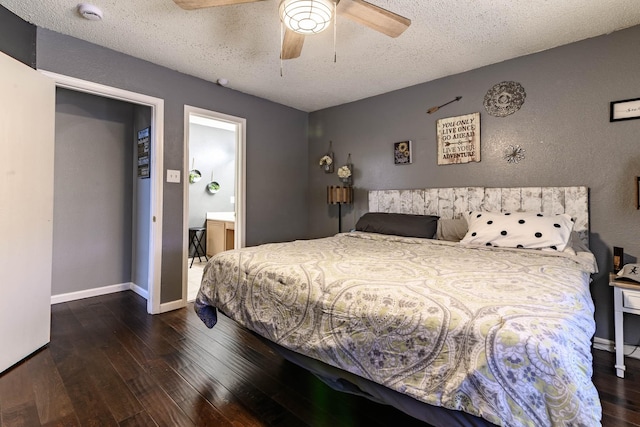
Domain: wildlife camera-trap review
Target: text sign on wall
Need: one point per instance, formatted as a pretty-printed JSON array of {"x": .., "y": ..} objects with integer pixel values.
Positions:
[{"x": 458, "y": 139}]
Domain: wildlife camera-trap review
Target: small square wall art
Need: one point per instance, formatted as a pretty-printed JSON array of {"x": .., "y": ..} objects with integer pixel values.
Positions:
[{"x": 402, "y": 153}]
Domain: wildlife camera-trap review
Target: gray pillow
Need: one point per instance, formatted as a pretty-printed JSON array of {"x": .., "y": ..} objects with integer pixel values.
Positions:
[
  {"x": 451, "y": 230},
  {"x": 407, "y": 225}
]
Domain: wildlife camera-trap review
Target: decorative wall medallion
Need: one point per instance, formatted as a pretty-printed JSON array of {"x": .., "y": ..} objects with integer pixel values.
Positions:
[
  {"x": 504, "y": 99},
  {"x": 514, "y": 154}
]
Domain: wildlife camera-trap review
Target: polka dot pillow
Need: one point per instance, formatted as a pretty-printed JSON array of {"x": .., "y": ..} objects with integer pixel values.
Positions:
[{"x": 519, "y": 230}]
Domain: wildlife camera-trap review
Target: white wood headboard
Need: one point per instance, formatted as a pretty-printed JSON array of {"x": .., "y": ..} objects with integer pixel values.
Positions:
[{"x": 452, "y": 202}]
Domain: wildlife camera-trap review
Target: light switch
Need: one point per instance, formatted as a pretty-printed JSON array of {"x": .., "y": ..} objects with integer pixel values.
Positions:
[
  {"x": 173, "y": 175},
  {"x": 232, "y": 199}
]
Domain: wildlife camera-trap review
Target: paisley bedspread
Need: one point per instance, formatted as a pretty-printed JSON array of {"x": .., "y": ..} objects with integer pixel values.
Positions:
[{"x": 498, "y": 333}]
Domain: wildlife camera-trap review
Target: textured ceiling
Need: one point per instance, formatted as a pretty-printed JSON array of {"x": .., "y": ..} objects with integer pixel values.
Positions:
[{"x": 241, "y": 43}]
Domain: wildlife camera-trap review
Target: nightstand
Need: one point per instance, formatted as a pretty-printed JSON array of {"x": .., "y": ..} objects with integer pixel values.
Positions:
[{"x": 626, "y": 299}]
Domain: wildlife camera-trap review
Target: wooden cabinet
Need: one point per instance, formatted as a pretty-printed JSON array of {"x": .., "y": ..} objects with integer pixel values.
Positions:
[{"x": 220, "y": 236}]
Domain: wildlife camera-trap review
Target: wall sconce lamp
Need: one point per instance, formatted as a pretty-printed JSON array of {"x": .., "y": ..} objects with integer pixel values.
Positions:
[{"x": 339, "y": 195}]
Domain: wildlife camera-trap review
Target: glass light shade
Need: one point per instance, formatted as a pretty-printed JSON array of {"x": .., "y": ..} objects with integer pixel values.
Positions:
[{"x": 306, "y": 16}]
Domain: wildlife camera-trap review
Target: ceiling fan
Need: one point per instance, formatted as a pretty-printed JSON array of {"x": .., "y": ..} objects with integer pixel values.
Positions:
[{"x": 306, "y": 17}]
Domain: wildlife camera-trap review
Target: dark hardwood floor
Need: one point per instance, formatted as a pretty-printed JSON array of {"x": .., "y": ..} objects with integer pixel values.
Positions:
[{"x": 111, "y": 364}]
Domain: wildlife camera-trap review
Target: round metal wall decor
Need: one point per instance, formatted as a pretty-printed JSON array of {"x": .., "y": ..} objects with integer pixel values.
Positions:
[{"x": 504, "y": 99}]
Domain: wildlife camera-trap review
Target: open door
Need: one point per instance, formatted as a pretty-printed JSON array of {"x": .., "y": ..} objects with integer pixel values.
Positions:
[{"x": 27, "y": 118}]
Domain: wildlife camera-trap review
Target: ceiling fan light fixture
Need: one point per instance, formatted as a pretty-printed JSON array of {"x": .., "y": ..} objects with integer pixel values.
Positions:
[{"x": 307, "y": 16}]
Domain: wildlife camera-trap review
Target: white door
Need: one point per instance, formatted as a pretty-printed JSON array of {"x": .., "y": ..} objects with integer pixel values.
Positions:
[{"x": 27, "y": 108}]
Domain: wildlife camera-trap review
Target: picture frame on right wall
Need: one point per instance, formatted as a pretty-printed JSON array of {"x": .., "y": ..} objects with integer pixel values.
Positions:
[
  {"x": 627, "y": 109},
  {"x": 638, "y": 192}
]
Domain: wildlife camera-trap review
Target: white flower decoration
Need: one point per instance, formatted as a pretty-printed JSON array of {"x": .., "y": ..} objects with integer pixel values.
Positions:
[
  {"x": 344, "y": 172},
  {"x": 326, "y": 160}
]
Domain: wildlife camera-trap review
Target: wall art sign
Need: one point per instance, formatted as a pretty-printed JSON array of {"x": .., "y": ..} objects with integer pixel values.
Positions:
[
  {"x": 402, "y": 153},
  {"x": 144, "y": 151},
  {"x": 458, "y": 139},
  {"x": 627, "y": 109},
  {"x": 504, "y": 99}
]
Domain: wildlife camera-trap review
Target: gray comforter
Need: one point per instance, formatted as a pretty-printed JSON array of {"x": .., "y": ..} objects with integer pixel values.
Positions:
[{"x": 498, "y": 333}]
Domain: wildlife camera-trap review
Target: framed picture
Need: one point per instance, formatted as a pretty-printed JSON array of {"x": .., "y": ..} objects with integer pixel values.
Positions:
[
  {"x": 637, "y": 192},
  {"x": 458, "y": 139},
  {"x": 402, "y": 153},
  {"x": 627, "y": 109},
  {"x": 144, "y": 152}
]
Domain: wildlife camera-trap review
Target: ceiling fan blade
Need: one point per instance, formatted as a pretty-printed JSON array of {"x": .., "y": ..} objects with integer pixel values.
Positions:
[
  {"x": 291, "y": 44},
  {"x": 374, "y": 17},
  {"x": 199, "y": 4}
]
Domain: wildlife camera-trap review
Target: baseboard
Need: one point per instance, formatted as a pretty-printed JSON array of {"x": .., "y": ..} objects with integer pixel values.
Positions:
[
  {"x": 610, "y": 346},
  {"x": 173, "y": 305},
  {"x": 603, "y": 344},
  {"x": 138, "y": 290},
  {"x": 88, "y": 293},
  {"x": 72, "y": 296}
]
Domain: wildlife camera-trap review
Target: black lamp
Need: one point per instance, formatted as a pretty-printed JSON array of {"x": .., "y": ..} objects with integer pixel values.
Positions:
[{"x": 339, "y": 195}]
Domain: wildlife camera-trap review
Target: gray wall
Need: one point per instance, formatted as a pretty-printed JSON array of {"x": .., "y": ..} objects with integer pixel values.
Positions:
[
  {"x": 213, "y": 151},
  {"x": 563, "y": 126},
  {"x": 276, "y": 142},
  {"x": 93, "y": 182},
  {"x": 17, "y": 37}
]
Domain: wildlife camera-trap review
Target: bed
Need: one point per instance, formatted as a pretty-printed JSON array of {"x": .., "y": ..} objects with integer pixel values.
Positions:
[{"x": 488, "y": 325}]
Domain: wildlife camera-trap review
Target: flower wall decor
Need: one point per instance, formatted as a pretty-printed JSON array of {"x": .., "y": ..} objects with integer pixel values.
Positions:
[
  {"x": 514, "y": 154},
  {"x": 326, "y": 161},
  {"x": 345, "y": 172}
]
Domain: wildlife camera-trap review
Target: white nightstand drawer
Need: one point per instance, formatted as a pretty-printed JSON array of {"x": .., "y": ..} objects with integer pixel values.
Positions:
[{"x": 631, "y": 299}]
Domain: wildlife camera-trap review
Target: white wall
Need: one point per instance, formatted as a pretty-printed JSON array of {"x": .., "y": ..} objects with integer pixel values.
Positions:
[{"x": 214, "y": 152}]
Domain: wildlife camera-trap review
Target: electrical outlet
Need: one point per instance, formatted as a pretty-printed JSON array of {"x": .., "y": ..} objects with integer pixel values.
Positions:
[{"x": 173, "y": 175}]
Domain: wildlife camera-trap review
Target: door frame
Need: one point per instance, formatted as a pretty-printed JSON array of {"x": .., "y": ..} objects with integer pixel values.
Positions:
[
  {"x": 157, "y": 165},
  {"x": 240, "y": 185}
]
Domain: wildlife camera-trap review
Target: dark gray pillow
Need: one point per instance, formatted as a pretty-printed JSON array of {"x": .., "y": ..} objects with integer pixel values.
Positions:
[{"x": 407, "y": 225}]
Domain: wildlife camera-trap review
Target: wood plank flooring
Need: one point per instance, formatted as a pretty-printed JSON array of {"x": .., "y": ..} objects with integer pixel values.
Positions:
[{"x": 111, "y": 364}]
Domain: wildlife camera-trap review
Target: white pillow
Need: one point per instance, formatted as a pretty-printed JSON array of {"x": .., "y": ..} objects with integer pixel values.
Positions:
[{"x": 519, "y": 230}]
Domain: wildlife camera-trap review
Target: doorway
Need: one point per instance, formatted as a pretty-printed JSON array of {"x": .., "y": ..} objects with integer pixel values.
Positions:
[
  {"x": 153, "y": 223},
  {"x": 214, "y": 187}
]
